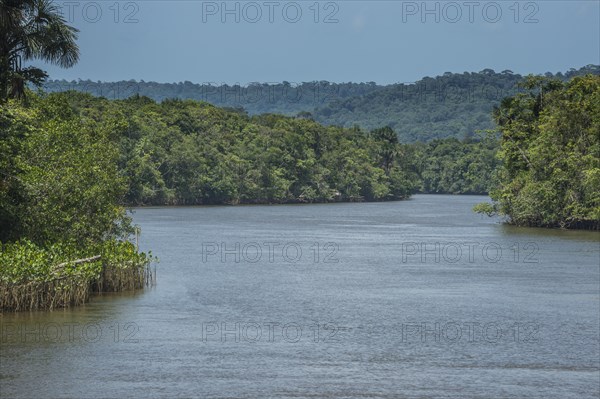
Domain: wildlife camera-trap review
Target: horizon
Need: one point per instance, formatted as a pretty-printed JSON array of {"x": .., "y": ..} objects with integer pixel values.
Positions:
[
  {"x": 321, "y": 80},
  {"x": 336, "y": 41}
]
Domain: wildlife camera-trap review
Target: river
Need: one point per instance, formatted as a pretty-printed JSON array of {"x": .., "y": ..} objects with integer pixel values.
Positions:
[{"x": 411, "y": 299}]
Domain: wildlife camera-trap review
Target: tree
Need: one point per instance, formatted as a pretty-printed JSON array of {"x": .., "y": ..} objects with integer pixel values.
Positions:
[
  {"x": 60, "y": 181},
  {"x": 551, "y": 152},
  {"x": 32, "y": 29},
  {"x": 388, "y": 149}
]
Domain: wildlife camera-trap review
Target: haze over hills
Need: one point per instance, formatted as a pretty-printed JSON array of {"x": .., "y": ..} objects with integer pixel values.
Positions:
[{"x": 451, "y": 105}]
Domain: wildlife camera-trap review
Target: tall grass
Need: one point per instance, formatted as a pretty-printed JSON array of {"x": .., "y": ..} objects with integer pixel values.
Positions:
[{"x": 34, "y": 278}]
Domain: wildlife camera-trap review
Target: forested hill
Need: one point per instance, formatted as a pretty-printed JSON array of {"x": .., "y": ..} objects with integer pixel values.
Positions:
[
  {"x": 256, "y": 98},
  {"x": 451, "y": 105}
]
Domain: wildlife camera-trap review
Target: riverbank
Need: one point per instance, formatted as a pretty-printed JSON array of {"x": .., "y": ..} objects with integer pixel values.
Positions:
[{"x": 62, "y": 275}]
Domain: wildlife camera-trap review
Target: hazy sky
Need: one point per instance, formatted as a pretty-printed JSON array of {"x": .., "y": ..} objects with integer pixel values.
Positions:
[{"x": 339, "y": 41}]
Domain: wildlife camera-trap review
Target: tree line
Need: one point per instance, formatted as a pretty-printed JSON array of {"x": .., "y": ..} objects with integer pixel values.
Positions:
[
  {"x": 184, "y": 152},
  {"x": 550, "y": 155},
  {"x": 451, "y": 105},
  {"x": 63, "y": 231}
]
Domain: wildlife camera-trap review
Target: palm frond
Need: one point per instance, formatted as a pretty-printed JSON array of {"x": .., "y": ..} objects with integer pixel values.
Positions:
[{"x": 32, "y": 29}]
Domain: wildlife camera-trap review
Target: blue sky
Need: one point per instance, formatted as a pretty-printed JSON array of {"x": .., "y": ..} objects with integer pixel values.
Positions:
[{"x": 339, "y": 41}]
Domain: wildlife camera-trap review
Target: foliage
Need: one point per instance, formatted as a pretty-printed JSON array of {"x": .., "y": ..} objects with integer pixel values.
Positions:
[
  {"x": 24, "y": 261},
  {"x": 32, "y": 29},
  {"x": 485, "y": 208},
  {"x": 183, "y": 152},
  {"x": 450, "y": 166},
  {"x": 551, "y": 154},
  {"x": 59, "y": 175},
  {"x": 60, "y": 190},
  {"x": 45, "y": 277},
  {"x": 452, "y": 105},
  {"x": 283, "y": 98}
]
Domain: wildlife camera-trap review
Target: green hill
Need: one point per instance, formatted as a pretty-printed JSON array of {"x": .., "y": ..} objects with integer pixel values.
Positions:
[{"x": 452, "y": 105}]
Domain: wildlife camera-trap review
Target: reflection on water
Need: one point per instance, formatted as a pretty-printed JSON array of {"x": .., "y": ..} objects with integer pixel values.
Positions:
[{"x": 419, "y": 298}]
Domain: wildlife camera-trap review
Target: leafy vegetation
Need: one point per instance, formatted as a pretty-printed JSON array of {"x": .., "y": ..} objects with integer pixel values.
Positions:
[
  {"x": 32, "y": 29},
  {"x": 60, "y": 191},
  {"x": 63, "y": 233},
  {"x": 450, "y": 166},
  {"x": 188, "y": 153},
  {"x": 550, "y": 150},
  {"x": 284, "y": 98},
  {"x": 452, "y": 105},
  {"x": 62, "y": 274}
]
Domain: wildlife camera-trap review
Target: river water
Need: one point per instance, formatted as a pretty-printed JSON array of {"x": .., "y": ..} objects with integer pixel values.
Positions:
[{"x": 412, "y": 299}]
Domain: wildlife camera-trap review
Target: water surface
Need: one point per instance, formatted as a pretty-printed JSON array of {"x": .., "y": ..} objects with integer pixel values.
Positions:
[{"x": 417, "y": 299}]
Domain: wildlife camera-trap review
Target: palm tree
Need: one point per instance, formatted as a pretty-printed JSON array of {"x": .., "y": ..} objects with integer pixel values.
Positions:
[
  {"x": 388, "y": 149},
  {"x": 32, "y": 29}
]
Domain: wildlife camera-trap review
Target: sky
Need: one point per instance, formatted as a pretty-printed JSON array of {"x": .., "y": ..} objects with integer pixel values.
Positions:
[{"x": 339, "y": 41}]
